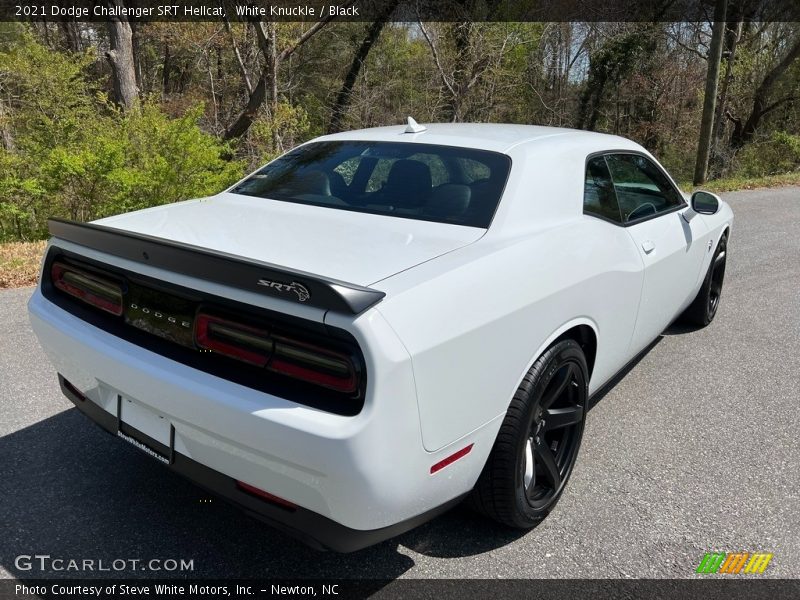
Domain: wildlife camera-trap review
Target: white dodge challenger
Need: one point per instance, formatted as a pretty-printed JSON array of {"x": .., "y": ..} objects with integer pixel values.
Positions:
[{"x": 381, "y": 322}]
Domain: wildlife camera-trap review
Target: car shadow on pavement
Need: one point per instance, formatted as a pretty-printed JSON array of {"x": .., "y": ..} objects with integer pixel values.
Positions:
[
  {"x": 680, "y": 329},
  {"x": 71, "y": 491},
  {"x": 612, "y": 383},
  {"x": 459, "y": 533}
]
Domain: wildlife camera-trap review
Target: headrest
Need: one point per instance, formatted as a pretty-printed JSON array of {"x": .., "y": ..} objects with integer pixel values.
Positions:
[
  {"x": 411, "y": 174},
  {"x": 313, "y": 182},
  {"x": 448, "y": 201}
]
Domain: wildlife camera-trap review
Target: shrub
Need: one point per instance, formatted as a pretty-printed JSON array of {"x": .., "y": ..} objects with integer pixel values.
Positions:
[
  {"x": 75, "y": 155},
  {"x": 778, "y": 154}
]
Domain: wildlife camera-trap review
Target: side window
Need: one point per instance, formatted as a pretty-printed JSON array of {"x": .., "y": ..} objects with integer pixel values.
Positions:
[
  {"x": 642, "y": 189},
  {"x": 599, "y": 198}
]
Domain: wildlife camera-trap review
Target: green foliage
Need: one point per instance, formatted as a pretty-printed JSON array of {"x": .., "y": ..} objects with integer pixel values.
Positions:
[
  {"x": 66, "y": 150},
  {"x": 152, "y": 159},
  {"x": 778, "y": 154},
  {"x": 288, "y": 127},
  {"x": 75, "y": 155},
  {"x": 610, "y": 65}
]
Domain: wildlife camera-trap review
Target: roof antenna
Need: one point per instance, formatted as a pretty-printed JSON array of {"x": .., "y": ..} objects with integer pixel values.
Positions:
[{"x": 414, "y": 127}]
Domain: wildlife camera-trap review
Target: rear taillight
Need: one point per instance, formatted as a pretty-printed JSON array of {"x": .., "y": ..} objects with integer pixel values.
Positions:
[
  {"x": 238, "y": 341},
  {"x": 277, "y": 353},
  {"x": 314, "y": 364},
  {"x": 99, "y": 291}
]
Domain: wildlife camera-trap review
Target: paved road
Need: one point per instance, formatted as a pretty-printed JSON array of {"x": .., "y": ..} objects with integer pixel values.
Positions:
[{"x": 695, "y": 449}]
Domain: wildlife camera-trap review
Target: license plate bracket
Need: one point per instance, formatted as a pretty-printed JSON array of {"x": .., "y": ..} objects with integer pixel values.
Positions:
[{"x": 145, "y": 429}]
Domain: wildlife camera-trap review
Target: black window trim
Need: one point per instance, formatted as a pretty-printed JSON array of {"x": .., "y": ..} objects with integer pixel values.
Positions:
[{"x": 605, "y": 153}]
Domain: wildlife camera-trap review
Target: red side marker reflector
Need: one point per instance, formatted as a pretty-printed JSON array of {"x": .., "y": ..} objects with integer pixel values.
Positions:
[
  {"x": 251, "y": 489},
  {"x": 451, "y": 459}
]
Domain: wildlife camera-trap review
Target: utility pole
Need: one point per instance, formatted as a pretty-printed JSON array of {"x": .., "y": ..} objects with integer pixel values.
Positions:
[{"x": 710, "y": 99}]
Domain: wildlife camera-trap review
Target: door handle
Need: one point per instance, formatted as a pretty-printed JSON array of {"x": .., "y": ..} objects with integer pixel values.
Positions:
[{"x": 648, "y": 246}]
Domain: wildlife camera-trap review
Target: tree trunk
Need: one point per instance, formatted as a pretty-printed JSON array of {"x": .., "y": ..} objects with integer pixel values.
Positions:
[
  {"x": 342, "y": 102},
  {"x": 239, "y": 60},
  {"x": 120, "y": 57},
  {"x": 165, "y": 70},
  {"x": 72, "y": 35},
  {"x": 462, "y": 39},
  {"x": 45, "y": 32},
  {"x": 742, "y": 135},
  {"x": 732, "y": 37},
  {"x": 710, "y": 99},
  {"x": 6, "y": 139},
  {"x": 267, "y": 86},
  {"x": 137, "y": 63}
]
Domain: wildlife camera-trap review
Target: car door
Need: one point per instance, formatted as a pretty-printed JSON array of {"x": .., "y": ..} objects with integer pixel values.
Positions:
[{"x": 672, "y": 249}]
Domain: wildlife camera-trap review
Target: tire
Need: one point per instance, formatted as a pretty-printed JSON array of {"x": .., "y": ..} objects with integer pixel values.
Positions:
[
  {"x": 704, "y": 307},
  {"x": 531, "y": 461}
]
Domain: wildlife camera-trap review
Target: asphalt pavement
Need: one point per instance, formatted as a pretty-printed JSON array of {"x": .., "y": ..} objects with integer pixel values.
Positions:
[{"x": 695, "y": 450}]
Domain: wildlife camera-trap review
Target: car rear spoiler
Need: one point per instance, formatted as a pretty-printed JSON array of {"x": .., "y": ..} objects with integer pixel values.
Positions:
[{"x": 219, "y": 267}]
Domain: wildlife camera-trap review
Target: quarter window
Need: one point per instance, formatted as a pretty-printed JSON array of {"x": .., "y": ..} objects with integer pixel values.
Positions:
[{"x": 599, "y": 198}]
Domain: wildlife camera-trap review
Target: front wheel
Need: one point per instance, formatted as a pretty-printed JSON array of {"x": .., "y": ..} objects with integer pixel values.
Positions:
[
  {"x": 538, "y": 442},
  {"x": 704, "y": 307}
]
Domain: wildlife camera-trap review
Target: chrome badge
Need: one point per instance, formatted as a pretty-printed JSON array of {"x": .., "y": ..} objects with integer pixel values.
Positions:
[{"x": 299, "y": 289}]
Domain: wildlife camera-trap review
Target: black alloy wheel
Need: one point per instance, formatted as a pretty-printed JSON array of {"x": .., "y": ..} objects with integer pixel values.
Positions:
[
  {"x": 536, "y": 448},
  {"x": 717, "y": 277},
  {"x": 704, "y": 307},
  {"x": 553, "y": 437}
]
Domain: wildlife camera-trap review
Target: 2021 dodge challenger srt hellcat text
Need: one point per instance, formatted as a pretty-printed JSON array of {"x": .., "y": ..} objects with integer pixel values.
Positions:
[{"x": 382, "y": 322}]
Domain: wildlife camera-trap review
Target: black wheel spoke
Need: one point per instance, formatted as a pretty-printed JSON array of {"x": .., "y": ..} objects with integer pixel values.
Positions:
[
  {"x": 557, "y": 385},
  {"x": 545, "y": 459},
  {"x": 716, "y": 288},
  {"x": 556, "y": 418}
]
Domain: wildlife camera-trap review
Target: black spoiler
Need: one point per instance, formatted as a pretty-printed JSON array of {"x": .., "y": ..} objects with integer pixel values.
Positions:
[{"x": 219, "y": 267}]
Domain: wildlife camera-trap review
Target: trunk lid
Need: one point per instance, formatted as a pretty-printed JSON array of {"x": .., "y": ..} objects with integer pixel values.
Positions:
[{"x": 350, "y": 246}]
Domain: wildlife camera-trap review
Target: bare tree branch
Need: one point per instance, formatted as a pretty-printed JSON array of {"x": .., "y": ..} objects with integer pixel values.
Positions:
[
  {"x": 238, "y": 54},
  {"x": 436, "y": 59}
]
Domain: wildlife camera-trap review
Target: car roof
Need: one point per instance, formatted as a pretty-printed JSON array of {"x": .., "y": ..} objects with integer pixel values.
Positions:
[{"x": 484, "y": 136}]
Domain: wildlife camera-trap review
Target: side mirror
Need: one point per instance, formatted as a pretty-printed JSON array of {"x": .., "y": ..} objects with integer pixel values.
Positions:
[{"x": 705, "y": 203}]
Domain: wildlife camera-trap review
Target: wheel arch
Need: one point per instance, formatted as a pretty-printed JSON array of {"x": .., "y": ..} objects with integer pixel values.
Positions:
[
  {"x": 586, "y": 337},
  {"x": 582, "y": 330}
]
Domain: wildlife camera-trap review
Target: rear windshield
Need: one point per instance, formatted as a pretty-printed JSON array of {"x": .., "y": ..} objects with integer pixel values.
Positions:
[{"x": 416, "y": 181}]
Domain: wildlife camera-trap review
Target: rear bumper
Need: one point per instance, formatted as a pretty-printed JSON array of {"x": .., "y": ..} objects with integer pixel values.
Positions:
[
  {"x": 307, "y": 526},
  {"x": 355, "y": 479}
]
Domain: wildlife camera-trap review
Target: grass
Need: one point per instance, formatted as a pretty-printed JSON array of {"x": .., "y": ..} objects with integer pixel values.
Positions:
[
  {"x": 19, "y": 263},
  {"x": 733, "y": 184}
]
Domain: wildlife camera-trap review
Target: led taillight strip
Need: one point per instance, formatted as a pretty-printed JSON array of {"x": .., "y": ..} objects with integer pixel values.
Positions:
[
  {"x": 92, "y": 289},
  {"x": 241, "y": 342},
  {"x": 277, "y": 353}
]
